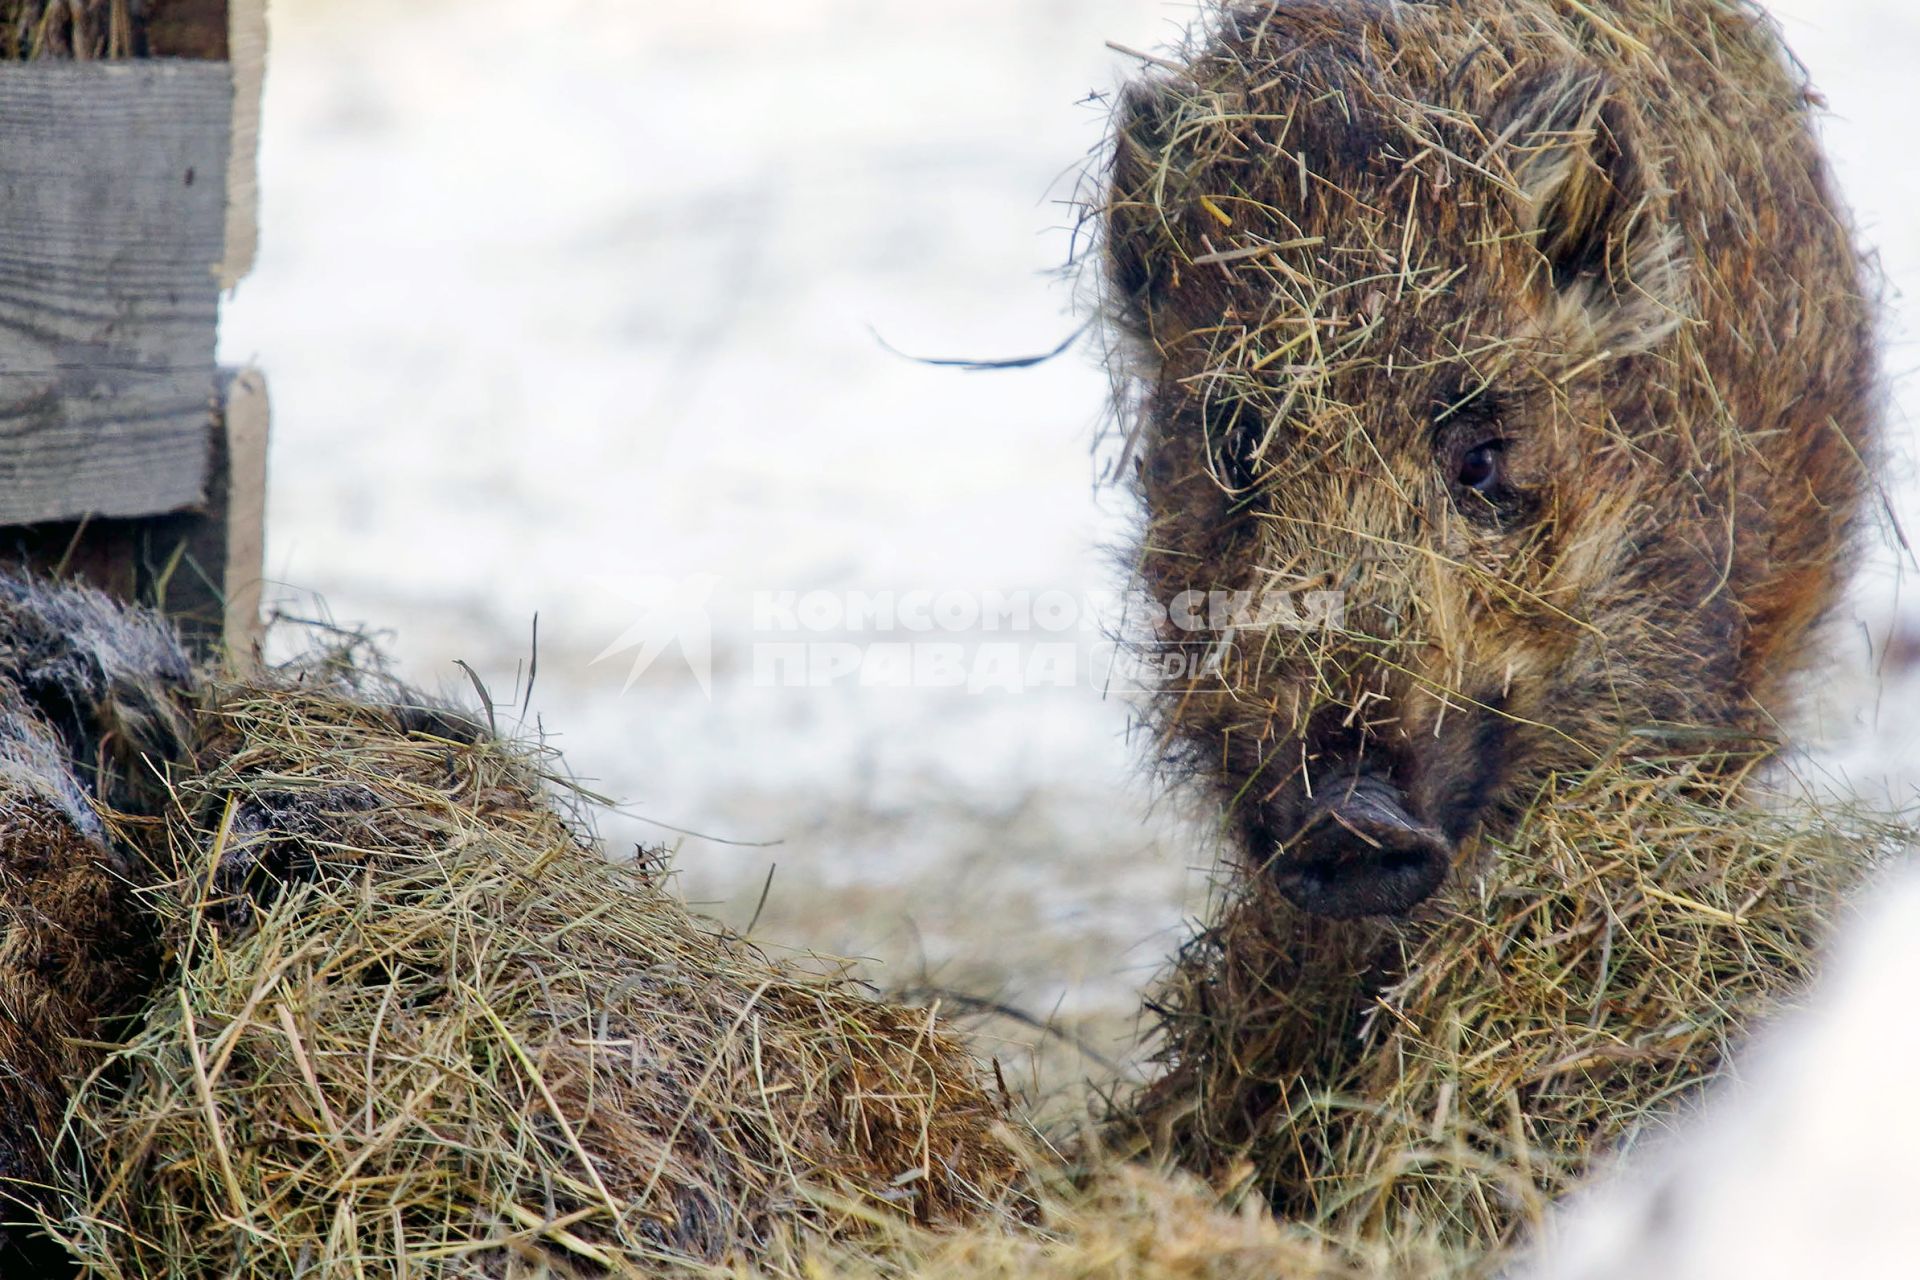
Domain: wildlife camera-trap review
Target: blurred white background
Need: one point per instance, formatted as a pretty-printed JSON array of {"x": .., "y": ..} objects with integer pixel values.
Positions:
[{"x": 559, "y": 301}]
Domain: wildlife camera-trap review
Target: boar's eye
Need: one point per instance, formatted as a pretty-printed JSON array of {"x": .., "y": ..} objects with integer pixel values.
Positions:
[
  {"x": 1481, "y": 466},
  {"x": 1482, "y": 490},
  {"x": 1470, "y": 449}
]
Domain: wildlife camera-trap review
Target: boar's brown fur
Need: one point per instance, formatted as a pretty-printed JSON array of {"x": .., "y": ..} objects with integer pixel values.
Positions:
[
  {"x": 93, "y": 708},
  {"x": 1532, "y": 328},
  {"x": 73, "y": 952},
  {"x": 1529, "y": 327}
]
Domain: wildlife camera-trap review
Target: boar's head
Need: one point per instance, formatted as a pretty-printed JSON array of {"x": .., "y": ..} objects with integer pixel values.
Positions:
[{"x": 1557, "y": 380}]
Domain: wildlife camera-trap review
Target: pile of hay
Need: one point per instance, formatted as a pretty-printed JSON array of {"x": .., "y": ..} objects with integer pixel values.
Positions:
[
  {"x": 1371, "y": 1100},
  {"x": 1431, "y": 1086},
  {"x": 1118, "y": 1222},
  {"x": 383, "y": 1008},
  {"x": 412, "y": 1022}
]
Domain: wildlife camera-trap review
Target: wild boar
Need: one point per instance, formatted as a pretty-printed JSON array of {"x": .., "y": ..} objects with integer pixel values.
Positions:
[{"x": 1532, "y": 328}]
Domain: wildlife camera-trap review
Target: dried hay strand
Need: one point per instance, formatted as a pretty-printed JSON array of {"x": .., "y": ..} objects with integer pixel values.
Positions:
[
  {"x": 408, "y": 1020},
  {"x": 418, "y": 1024},
  {"x": 1122, "y": 1222},
  {"x": 1430, "y": 1086},
  {"x": 83, "y": 30},
  {"x": 90, "y": 30}
]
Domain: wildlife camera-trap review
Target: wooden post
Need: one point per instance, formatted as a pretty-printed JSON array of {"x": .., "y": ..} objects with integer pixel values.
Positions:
[
  {"x": 127, "y": 205},
  {"x": 202, "y": 566}
]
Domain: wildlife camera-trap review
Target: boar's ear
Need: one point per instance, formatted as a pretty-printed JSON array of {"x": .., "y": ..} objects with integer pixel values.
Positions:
[
  {"x": 1577, "y": 173},
  {"x": 1589, "y": 202},
  {"x": 1141, "y": 257}
]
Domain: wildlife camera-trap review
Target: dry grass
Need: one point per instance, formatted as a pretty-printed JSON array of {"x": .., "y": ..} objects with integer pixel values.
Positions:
[
  {"x": 1437, "y": 1084},
  {"x": 1125, "y": 1222},
  {"x": 78, "y": 29},
  {"x": 417, "y": 1025},
  {"x": 86, "y": 30}
]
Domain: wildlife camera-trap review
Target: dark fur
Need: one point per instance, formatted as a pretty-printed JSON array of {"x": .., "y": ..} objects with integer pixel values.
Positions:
[
  {"x": 101, "y": 713},
  {"x": 93, "y": 711},
  {"x": 76, "y": 953}
]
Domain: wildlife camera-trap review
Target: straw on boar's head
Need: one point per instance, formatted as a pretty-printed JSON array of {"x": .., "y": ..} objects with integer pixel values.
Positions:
[{"x": 1534, "y": 340}]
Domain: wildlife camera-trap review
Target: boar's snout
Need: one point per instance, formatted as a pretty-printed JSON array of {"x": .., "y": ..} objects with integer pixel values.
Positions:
[{"x": 1362, "y": 854}]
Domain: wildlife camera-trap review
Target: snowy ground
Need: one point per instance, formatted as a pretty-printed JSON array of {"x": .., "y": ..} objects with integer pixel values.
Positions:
[{"x": 569, "y": 310}]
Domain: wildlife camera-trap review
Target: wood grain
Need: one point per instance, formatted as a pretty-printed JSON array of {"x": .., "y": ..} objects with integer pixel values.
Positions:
[
  {"x": 248, "y": 48},
  {"x": 113, "y": 192},
  {"x": 202, "y": 568},
  {"x": 239, "y": 511}
]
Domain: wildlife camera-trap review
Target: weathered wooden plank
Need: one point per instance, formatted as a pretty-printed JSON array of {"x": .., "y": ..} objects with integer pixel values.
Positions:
[
  {"x": 247, "y": 47},
  {"x": 204, "y": 569},
  {"x": 113, "y": 193},
  {"x": 238, "y": 512}
]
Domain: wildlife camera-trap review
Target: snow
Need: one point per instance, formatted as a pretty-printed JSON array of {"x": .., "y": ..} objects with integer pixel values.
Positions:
[
  {"x": 1802, "y": 1164},
  {"x": 564, "y": 302}
]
